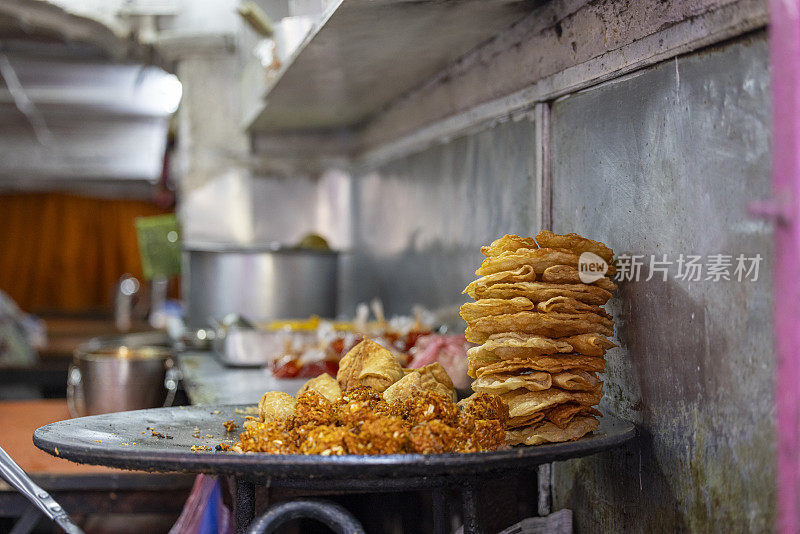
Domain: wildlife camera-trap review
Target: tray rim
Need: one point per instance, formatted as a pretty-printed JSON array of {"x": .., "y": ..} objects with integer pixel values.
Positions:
[{"x": 288, "y": 469}]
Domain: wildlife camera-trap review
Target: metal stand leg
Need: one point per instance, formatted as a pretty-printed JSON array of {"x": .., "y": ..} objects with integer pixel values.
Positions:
[
  {"x": 469, "y": 509},
  {"x": 27, "y": 521},
  {"x": 544, "y": 489},
  {"x": 440, "y": 518},
  {"x": 245, "y": 505}
]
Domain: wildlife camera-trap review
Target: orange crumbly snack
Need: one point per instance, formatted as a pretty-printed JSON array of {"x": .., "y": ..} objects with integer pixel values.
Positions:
[
  {"x": 486, "y": 406},
  {"x": 362, "y": 422}
]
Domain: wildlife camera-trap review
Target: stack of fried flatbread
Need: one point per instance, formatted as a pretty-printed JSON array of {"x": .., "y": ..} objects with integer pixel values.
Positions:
[{"x": 542, "y": 333}]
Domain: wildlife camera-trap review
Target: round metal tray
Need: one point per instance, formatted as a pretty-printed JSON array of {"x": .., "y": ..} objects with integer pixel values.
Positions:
[{"x": 161, "y": 439}]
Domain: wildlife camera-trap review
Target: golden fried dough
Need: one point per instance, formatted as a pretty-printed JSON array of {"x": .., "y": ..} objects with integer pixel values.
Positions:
[
  {"x": 562, "y": 414},
  {"x": 552, "y": 325},
  {"x": 325, "y": 385},
  {"x": 555, "y": 363},
  {"x": 472, "y": 311},
  {"x": 542, "y": 291},
  {"x": 431, "y": 377},
  {"x": 523, "y": 402},
  {"x": 275, "y": 405},
  {"x": 576, "y": 243},
  {"x": 567, "y": 274},
  {"x": 369, "y": 364},
  {"x": 540, "y": 259},
  {"x": 548, "y": 432},
  {"x": 499, "y": 383},
  {"x": 508, "y": 243},
  {"x": 575, "y": 380},
  {"x": 523, "y": 348},
  {"x": 589, "y": 344},
  {"x": 525, "y": 420},
  {"x": 569, "y": 305},
  {"x": 524, "y": 273}
]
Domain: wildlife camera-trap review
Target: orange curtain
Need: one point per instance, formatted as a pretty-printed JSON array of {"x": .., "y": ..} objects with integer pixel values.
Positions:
[{"x": 65, "y": 253}]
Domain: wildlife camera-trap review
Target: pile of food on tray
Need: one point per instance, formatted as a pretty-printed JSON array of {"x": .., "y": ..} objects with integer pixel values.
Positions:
[
  {"x": 541, "y": 335},
  {"x": 542, "y": 332},
  {"x": 375, "y": 406}
]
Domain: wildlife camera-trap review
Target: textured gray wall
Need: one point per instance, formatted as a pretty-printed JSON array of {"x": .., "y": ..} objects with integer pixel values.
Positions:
[
  {"x": 665, "y": 162},
  {"x": 662, "y": 162},
  {"x": 419, "y": 222}
]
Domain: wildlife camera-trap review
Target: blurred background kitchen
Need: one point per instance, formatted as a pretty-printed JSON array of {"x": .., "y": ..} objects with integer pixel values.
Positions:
[{"x": 177, "y": 174}]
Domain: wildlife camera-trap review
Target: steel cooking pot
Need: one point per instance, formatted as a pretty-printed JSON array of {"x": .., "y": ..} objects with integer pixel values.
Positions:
[{"x": 259, "y": 282}]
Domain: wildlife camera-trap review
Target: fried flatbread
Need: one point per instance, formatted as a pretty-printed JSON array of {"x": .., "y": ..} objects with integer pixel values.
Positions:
[
  {"x": 432, "y": 377},
  {"x": 576, "y": 380},
  {"x": 522, "y": 402},
  {"x": 548, "y": 432},
  {"x": 508, "y": 243},
  {"x": 548, "y": 363},
  {"x": 569, "y": 305},
  {"x": 589, "y": 344},
  {"x": 504, "y": 382},
  {"x": 567, "y": 274},
  {"x": 528, "y": 347},
  {"x": 472, "y": 311},
  {"x": 525, "y": 420},
  {"x": 539, "y": 258},
  {"x": 508, "y": 347},
  {"x": 542, "y": 291},
  {"x": 552, "y": 325},
  {"x": 563, "y": 414},
  {"x": 524, "y": 273},
  {"x": 576, "y": 243}
]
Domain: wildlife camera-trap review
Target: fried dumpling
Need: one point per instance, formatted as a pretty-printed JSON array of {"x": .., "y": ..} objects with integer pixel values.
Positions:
[
  {"x": 325, "y": 385},
  {"x": 369, "y": 364},
  {"x": 275, "y": 405},
  {"x": 432, "y": 377}
]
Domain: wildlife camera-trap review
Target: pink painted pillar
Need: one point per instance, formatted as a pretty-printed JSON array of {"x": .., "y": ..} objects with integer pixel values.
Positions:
[{"x": 784, "y": 35}]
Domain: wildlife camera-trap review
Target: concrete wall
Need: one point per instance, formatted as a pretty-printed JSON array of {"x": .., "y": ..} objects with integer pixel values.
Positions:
[
  {"x": 661, "y": 162},
  {"x": 665, "y": 162},
  {"x": 418, "y": 222}
]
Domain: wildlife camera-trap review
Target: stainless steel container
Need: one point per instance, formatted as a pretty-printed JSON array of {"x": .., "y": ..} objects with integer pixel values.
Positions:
[
  {"x": 105, "y": 379},
  {"x": 260, "y": 283}
]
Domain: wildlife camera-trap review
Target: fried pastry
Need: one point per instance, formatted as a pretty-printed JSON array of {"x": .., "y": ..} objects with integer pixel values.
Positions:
[
  {"x": 472, "y": 311},
  {"x": 523, "y": 402},
  {"x": 563, "y": 414},
  {"x": 575, "y": 243},
  {"x": 552, "y": 325},
  {"x": 576, "y": 380},
  {"x": 567, "y": 274},
  {"x": 548, "y": 363},
  {"x": 540, "y": 259},
  {"x": 275, "y": 405},
  {"x": 569, "y": 305},
  {"x": 325, "y": 385},
  {"x": 548, "y": 432},
  {"x": 500, "y": 383},
  {"x": 369, "y": 364},
  {"x": 524, "y": 273},
  {"x": 508, "y": 243},
  {"x": 542, "y": 291},
  {"x": 431, "y": 377}
]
